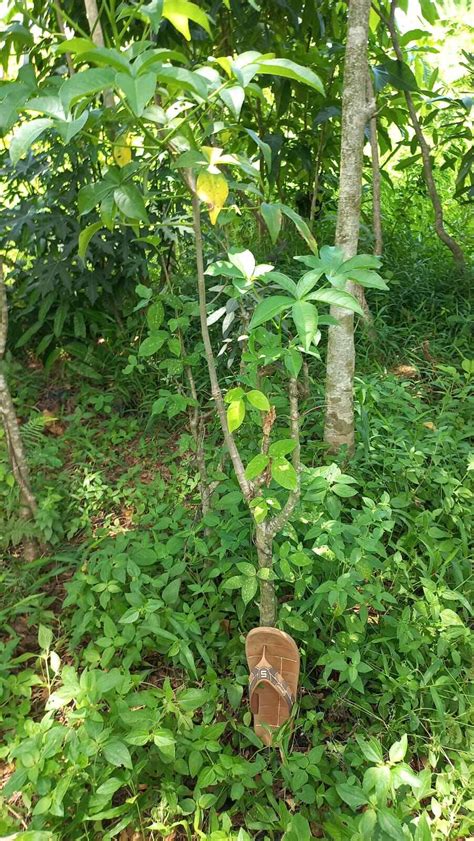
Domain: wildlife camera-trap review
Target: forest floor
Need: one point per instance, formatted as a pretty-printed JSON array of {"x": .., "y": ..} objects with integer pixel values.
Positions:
[{"x": 123, "y": 679}]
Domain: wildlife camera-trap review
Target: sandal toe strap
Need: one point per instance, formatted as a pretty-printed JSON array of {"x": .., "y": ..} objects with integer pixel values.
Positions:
[{"x": 267, "y": 674}]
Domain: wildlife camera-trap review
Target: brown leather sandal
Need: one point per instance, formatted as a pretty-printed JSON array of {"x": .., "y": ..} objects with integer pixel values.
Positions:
[{"x": 274, "y": 664}]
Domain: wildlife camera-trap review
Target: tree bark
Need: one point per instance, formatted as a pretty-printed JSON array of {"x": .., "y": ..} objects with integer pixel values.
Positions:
[
  {"x": 268, "y": 601},
  {"x": 339, "y": 420},
  {"x": 448, "y": 240},
  {"x": 16, "y": 453},
  {"x": 97, "y": 35}
]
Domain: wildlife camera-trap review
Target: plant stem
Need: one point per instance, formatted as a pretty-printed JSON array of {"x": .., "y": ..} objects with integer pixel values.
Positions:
[
  {"x": 11, "y": 426},
  {"x": 449, "y": 241},
  {"x": 211, "y": 363},
  {"x": 376, "y": 179}
]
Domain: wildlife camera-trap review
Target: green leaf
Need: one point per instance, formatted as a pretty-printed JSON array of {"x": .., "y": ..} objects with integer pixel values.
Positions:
[
  {"x": 338, "y": 298},
  {"x": 284, "y": 473},
  {"x": 233, "y": 583},
  {"x": 25, "y": 136},
  {"x": 104, "y": 57},
  {"x": 85, "y": 237},
  {"x": 246, "y": 569},
  {"x": 282, "y": 448},
  {"x": 272, "y": 216},
  {"x": 249, "y": 588},
  {"x": 269, "y": 308},
  {"x": 379, "y": 778},
  {"x": 283, "y": 281},
  {"x": 259, "y": 400},
  {"x": 398, "y": 750},
  {"x": 342, "y": 490},
  {"x": 244, "y": 261},
  {"x": 182, "y": 79},
  {"x": 45, "y": 637},
  {"x": 293, "y": 361},
  {"x": 130, "y": 202},
  {"x": 91, "y": 195},
  {"x": 308, "y": 281},
  {"x": 165, "y": 742},
  {"x": 192, "y": 699},
  {"x": 138, "y": 92},
  {"x": 69, "y": 128},
  {"x": 332, "y": 258},
  {"x": 360, "y": 261},
  {"x": 256, "y": 466},
  {"x": 367, "y": 823},
  {"x": 371, "y": 748},
  {"x": 153, "y": 12},
  {"x": 423, "y": 831},
  {"x": 352, "y": 795},
  {"x": 305, "y": 317},
  {"x": 234, "y": 98},
  {"x": 290, "y": 70},
  {"x": 170, "y": 594},
  {"x": 396, "y": 73},
  {"x": 234, "y": 694},
  {"x": 154, "y": 316},
  {"x": 195, "y": 762},
  {"x": 152, "y": 344},
  {"x": 429, "y": 11},
  {"x": 365, "y": 277},
  {"x": 49, "y": 105},
  {"x": 85, "y": 84},
  {"x": 403, "y": 775},
  {"x": 117, "y": 754},
  {"x": 259, "y": 510},
  {"x": 235, "y": 414},
  {"x": 234, "y": 394},
  {"x": 390, "y": 824},
  {"x": 301, "y": 226}
]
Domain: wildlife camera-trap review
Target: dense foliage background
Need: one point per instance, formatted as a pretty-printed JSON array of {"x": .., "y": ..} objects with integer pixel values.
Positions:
[{"x": 123, "y": 682}]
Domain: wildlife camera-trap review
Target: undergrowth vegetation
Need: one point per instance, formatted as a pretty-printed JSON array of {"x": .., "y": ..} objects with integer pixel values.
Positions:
[{"x": 123, "y": 682}]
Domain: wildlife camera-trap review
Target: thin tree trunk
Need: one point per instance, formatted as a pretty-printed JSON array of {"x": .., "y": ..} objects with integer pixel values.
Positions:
[
  {"x": 317, "y": 175},
  {"x": 211, "y": 364},
  {"x": 376, "y": 179},
  {"x": 268, "y": 600},
  {"x": 339, "y": 420},
  {"x": 265, "y": 532},
  {"x": 16, "y": 453},
  {"x": 197, "y": 431},
  {"x": 449, "y": 241},
  {"x": 62, "y": 30},
  {"x": 97, "y": 35}
]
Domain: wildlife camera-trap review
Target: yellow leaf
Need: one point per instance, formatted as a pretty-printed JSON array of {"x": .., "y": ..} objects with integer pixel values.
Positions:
[
  {"x": 213, "y": 189},
  {"x": 180, "y": 12},
  {"x": 213, "y": 155},
  {"x": 122, "y": 151},
  {"x": 180, "y": 22}
]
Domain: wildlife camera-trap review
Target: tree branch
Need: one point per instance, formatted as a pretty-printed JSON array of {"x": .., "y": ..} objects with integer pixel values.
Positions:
[
  {"x": 245, "y": 486},
  {"x": 443, "y": 235}
]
